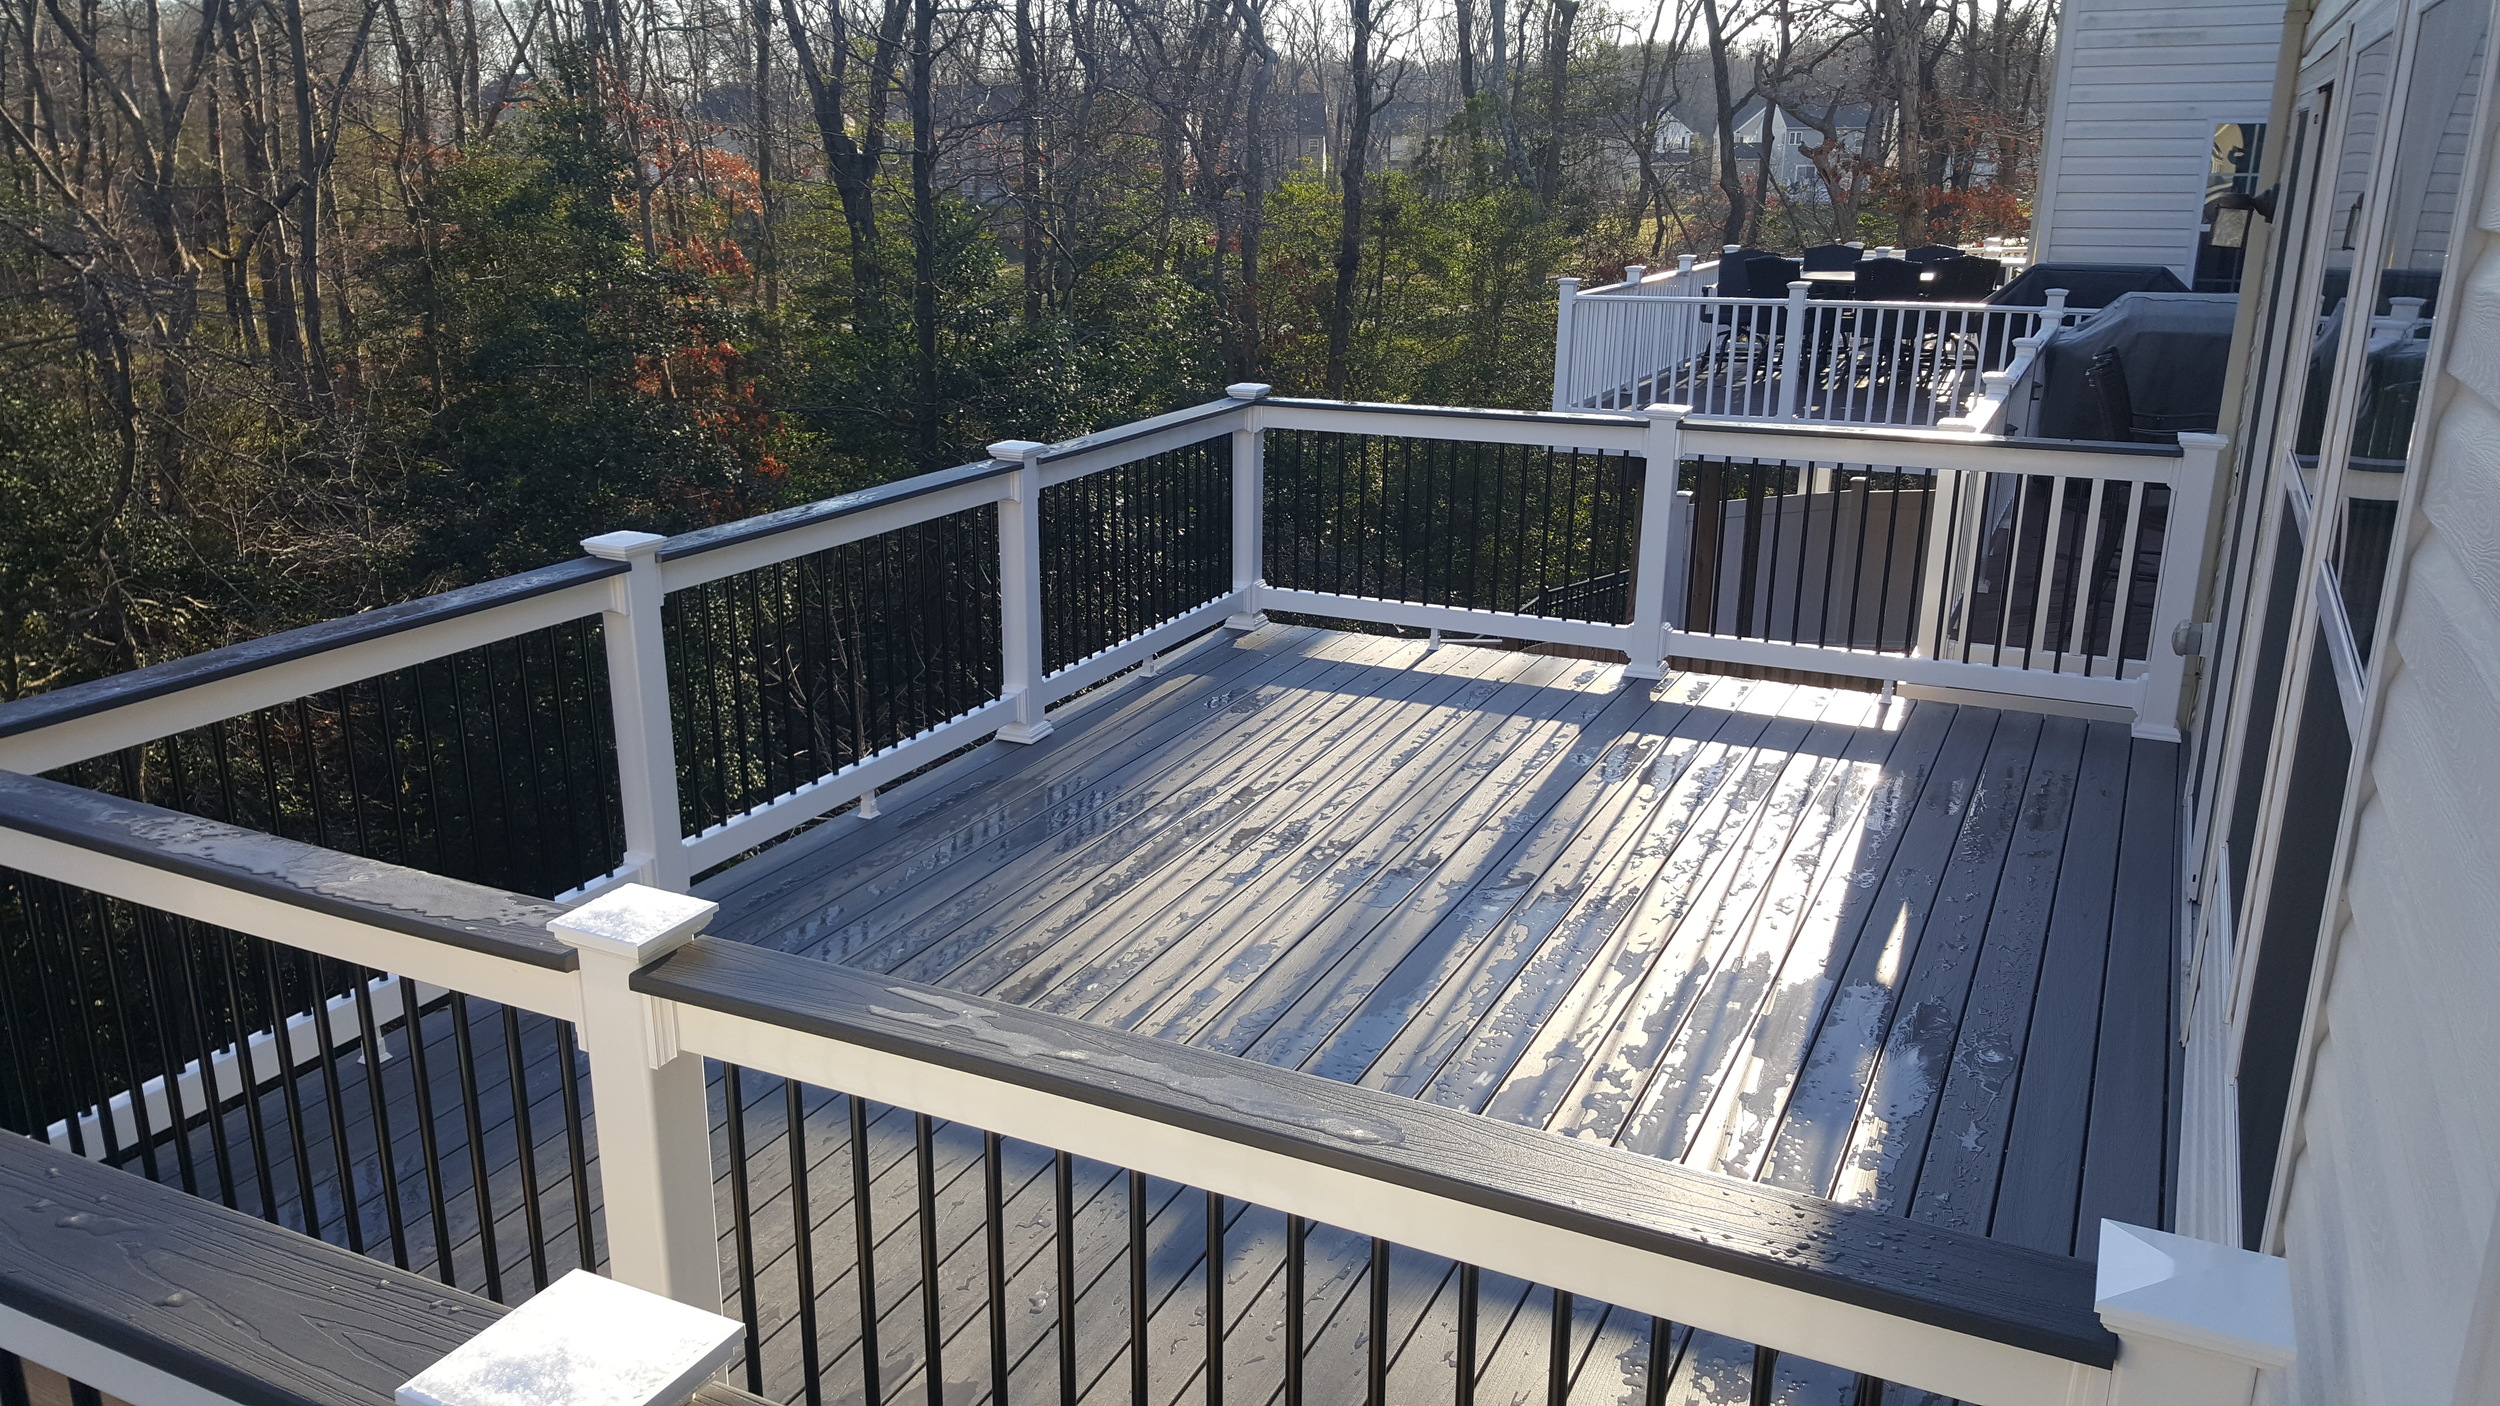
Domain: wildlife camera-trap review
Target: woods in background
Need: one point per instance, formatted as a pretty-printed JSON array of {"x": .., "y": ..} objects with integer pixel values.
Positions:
[{"x": 311, "y": 305}]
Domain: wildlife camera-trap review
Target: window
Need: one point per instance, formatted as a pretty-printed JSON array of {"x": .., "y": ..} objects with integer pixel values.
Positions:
[{"x": 2419, "y": 204}]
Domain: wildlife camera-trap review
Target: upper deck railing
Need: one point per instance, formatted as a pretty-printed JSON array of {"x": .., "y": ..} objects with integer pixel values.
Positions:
[
  {"x": 252, "y": 900},
  {"x": 1672, "y": 337}
]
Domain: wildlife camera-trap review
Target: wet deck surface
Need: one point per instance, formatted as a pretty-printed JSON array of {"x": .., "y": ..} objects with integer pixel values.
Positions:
[{"x": 1913, "y": 956}]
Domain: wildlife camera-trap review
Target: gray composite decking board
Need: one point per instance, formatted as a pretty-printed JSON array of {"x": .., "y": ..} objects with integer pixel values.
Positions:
[
  {"x": 2038, "y": 1185},
  {"x": 2125, "y": 1152},
  {"x": 1316, "y": 980},
  {"x": 925, "y": 923},
  {"x": 1675, "y": 923},
  {"x": 864, "y": 897},
  {"x": 1207, "y": 960},
  {"x": 1357, "y": 867},
  {"x": 1881, "y": 1164},
  {"x": 1744, "y": 1116},
  {"x": 1415, "y": 947},
  {"x": 1715, "y": 1030},
  {"x": 1821, "y": 1106},
  {"x": 248, "y": 1311},
  {"x": 850, "y": 867},
  {"x": 819, "y": 868},
  {"x": 1470, "y": 955},
  {"x": 1159, "y": 916},
  {"x": 1120, "y": 887},
  {"x": 1957, "y": 1180}
]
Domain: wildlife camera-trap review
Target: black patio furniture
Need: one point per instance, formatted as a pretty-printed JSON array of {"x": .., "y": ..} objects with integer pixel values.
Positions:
[
  {"x": 2086, "y": 285},
  {"x": 1831, "y": 258},
  {"x": 1932, "y": 254}
]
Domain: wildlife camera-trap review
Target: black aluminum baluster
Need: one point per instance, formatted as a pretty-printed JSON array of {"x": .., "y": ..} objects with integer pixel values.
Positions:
[
  {"x": 377, "y": 1101},
  {"x": 13, "y": 1377},
  {"x": 143, "y": 1126},
  {"x": 803, "y": 1255},
  {"x": 1140, "y": 1310},
  {"x": 1063, "y": 1246},
  {"x": 932, "y": 1337},
  {"x": 429, "y": 1133},
  {"x": 576, "y": 1149},
  {"x": 741, "y": 1223},
  {"x": 333, "y": 1098},
  {"x": 99, "y": 1092},
  {"x": 29, "y": 1117},
  {"x": 481, "y": 1188},
  {"x": 282, "y": 1045},
  {"x": 81, "y": 1394},
  {"x": 255, "y": 1119},
  {"x": 1376, "y": 1333},
  {"x": 1215, "y": 1299},
  {"x": 533, "y": 1214},
  {"x": 1661, "y": 1363},
  {"x": 1297, "y": 1238},
  {"x": 1765, "y": 1375},
  {"x": 1867, "y": 1391},
  {"x": 1470, "y": 1302},
  {"x": 864, "y": 1235},
  {"x": 48, "y": 1001},
  {"x": 994, "y": 1244},
  {"x": 1558, "y": 1352}
]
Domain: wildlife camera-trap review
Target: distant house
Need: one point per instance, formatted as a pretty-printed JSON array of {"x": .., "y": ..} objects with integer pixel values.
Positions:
[{"x": 1689, "y": 128}]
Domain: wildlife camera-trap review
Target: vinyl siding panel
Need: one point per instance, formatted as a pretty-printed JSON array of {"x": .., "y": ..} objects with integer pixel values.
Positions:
[
  {"x": 2140, "y": 89},
  {"x": 2394, "y": 1188}
]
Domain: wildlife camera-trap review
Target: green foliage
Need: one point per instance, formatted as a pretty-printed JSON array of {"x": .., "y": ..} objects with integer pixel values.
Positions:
[{"x": 591, "y": 379}]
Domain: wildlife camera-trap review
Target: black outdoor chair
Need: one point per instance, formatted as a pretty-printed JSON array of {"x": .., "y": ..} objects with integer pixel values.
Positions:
[
  {"x": 1831, "y": 258},
  {"x": 1769, "y": 275},
  {"x": 1889, "y": 281},
  {"x": 1932, "y": 254},
  {"x": 1964, "y": 278}
]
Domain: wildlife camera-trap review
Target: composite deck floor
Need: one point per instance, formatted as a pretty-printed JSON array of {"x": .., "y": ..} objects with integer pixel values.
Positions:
[{"x": 1909, "y": 955}]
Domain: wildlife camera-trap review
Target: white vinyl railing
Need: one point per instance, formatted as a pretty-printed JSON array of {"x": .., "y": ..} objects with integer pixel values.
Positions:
[{"x": 1668, "y": 337}]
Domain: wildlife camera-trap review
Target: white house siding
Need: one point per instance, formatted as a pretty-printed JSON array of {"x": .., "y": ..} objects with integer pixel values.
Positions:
[
  {"x": 2391, "y": 1201},
  {"x": 2140, "y": 88}
]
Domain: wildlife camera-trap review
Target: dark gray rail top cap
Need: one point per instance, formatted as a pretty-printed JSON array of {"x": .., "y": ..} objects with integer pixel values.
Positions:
[
  {"x": 174, "y": 675},
  {"x": 450, "y": 911},
  {"x": 1965, "y": 1283}
]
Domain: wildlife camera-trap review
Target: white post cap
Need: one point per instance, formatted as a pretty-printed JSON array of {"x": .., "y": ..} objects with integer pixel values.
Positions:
[
  {"x": 634, "y": 921},
  {"x": 1016, "y": 448},
  {"x": 582, "y": 1341},
  {"x": 2231, "y": 1302},
  {"x": 1248, "y": 390},
  {"x": 622, "y": 546}
]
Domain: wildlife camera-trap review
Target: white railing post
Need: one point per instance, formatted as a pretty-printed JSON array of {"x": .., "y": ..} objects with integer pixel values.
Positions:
[
  {"x": 1250, "y": 507},
  {"x": 1632, "y": 276},
  {"x": 646, "y": 746},
  {"x": 2174, "y": 594},
  {"x": 1020, "y": 594},
  {"x": 1793, "y": 341},
  {"x": 1659, "y": 564},
  {"x": 2053, "y": 312},
  {"x": 2196, "y": 1321},
  {"x": 1563, "y": 385},
  {"x": 1684, "y": 276},
  {"x": 646, "y": 1095}
]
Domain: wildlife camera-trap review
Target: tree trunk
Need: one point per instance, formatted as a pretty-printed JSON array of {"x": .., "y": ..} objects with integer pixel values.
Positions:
[
  {"x": 1254, "y": 188},
  {"x": 924, "y": 231},
  {"x": 1561, "y": 15},
  {"x": 1362, "y": 82},
  {"x": 1030, "y": 234}
]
